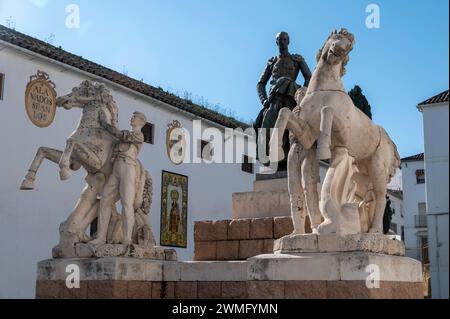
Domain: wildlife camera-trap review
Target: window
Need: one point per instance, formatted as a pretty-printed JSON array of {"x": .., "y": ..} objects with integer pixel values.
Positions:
[
  {"x": 2, "y": 85},
  {"x": 403, "y": 233},
  {"x": 204, "y": 150},
  {"x": 247, "y": 165},
  {"x": 148, "y": 131},
  {"x": 420, "y": 176}
]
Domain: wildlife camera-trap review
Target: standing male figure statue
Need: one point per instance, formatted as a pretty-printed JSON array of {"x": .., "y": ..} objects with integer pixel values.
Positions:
[
  {"x": 122, "y": 181},
  {"x": 284, "y": 70}
]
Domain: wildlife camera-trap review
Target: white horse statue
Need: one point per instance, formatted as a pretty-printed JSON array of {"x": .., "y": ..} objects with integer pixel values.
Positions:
[
  {"x": 362, "y": 156},
  {"x": 90, "y": 147}
]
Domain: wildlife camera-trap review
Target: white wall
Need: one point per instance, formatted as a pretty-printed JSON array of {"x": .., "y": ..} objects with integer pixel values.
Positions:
[
  {"x": 398, "y": 217},
  {"x": 413, "y": 194},
  {"x": 29, "y": 220},
  {"x": 436, "y": 137}
]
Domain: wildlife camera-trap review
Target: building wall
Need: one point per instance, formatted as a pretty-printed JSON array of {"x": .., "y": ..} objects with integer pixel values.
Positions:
[
  {"x": 436, "y": 137},
  {"x": 413, "y": 194},
  {"x": 398, "y": 217},
  {"x": 29, "y": 220}
]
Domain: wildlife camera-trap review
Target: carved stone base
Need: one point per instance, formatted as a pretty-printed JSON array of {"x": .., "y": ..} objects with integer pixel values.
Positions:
[
  {"x": 116, "y": 250},
  {"x": 311, "y": 243}
]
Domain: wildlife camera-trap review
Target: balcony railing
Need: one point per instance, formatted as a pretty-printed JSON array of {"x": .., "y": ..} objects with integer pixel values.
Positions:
[{"x": 420, "y": 220}]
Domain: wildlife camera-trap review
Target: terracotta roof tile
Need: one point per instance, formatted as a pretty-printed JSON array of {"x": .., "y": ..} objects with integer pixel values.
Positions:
[
  {"x": 439, "y": 98},
  {"x": 37, "y": 46},
  {"x": 417, "y": 157}
]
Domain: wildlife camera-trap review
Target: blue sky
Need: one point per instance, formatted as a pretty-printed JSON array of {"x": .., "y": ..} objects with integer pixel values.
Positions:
[{"x": 218, "y": 49}]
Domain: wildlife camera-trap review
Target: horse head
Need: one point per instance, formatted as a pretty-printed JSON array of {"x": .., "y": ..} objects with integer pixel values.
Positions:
[
  {"x": 337, "y": 48},
  {"x": 89, "y": 92}
]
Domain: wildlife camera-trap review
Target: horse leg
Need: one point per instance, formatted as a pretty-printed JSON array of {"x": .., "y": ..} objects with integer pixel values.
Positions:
[
  {"x": 42, "y": 153},
  {"x": 288, "y": 121},
  {"x": 64, "y": 164},
  {"x": 324, "y": 141},
  {"x": 294, "y": 162},
  {"x": 310, "y": 179},
  {"x": 378, "y": 178}
]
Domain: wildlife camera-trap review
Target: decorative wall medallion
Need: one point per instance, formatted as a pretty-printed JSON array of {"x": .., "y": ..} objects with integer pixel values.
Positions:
[
  {"x": 40, "y": 100},
  {"x": 176, "y": 142}
]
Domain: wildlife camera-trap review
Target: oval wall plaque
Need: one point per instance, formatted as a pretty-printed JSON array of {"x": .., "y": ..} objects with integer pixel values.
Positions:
[{"x": 40, "y": 100}]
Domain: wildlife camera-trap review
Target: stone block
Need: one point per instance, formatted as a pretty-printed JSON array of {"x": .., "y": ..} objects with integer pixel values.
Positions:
[
  {"x": 265, "y": 289},
  {"x": 234, "y": 290},
  {"x": 48, "y": 289},
  {"x": 306, "y": 289},
  {"x": 268, "y": 246},
  {"x": 205, "y": 250},
  {"x": 185, "y": 290},
  {"x": 282, "y": 226},
  {"x": 228, "y": 250},
  {"x": 261, "y": 228},
  {"x": 211, "y": 230},
  {"x": 107, "y": 289},
  {"x": 139, "y": 290},
  {"x": 163, "y": 290},
  {"x": 239, "y": 229},
  {"x": 260, "y": 204},
  {"x": 297, "y": 243},
  {"x": 294, "y": 267},
  {"x": 209, "y": 290},
  {"x": 250, "y": 248},
  {"x": 213, "y": 271}
]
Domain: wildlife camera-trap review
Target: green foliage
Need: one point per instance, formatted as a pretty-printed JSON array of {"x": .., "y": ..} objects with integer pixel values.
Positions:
[
  {"x": 387, "y": 217},
  {"x": 360, "y": 100}
]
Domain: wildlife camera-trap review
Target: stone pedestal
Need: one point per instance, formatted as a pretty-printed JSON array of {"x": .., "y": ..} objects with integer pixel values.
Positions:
[
  {"x": 269, "y": 198},
  {"x": 340, "y": 275}
]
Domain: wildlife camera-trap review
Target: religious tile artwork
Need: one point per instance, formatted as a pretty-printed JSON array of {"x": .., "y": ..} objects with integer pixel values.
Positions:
[{"x": 174, "y": 201}]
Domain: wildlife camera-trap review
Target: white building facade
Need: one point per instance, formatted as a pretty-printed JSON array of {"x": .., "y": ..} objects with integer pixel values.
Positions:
[
  {"x": 414, "y": 207},
  {"x": 29, "y": 220},
  {"x": 435, "y": 113}
]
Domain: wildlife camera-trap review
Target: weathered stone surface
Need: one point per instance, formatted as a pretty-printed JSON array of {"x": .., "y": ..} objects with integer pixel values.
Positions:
[
  {"x": 239, "y": 229},
  {"x": 294, "y": 267},
  {"x": 234, "y": 290},
  {"x": 211, "y": 230},
  {"x": 260, "y": 204},
  {"x": 185, "y": 290},
  {"x": 83, "y": 250},
  {"x": 205, "y": 250},
  {"x": 268, "y": 246},
  {"x": 297, "y": 243},
  {"x": 282, "y": 226},
  {"x": 274, "y": 184},
  {"x": 347, "y": 266},
  {"x": 209, "y": 290},
  {"x": 228, "y": 250},
  {"x": 107, "y": 289},
  {"x": 306, "y": 289},
  {"x": 250, "y": 248},
  {"x": 213, "y": 271},
  {"x": 376, "y": 243},
  {"x": 261, "y": 228},
  {"x": 265, "y": 289},
  {"x": 139, "y": 290}
]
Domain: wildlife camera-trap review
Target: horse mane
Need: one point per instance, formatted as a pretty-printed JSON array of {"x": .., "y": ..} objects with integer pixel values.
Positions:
[
  {"x": 111, "y": 105},
  {"x": 343, "y": 32}
]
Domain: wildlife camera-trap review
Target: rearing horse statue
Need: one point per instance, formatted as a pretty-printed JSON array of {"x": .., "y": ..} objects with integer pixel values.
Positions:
[
  {"x": 363, "y": 157},
  {"x": 90, "y": 146}
]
